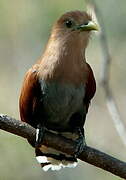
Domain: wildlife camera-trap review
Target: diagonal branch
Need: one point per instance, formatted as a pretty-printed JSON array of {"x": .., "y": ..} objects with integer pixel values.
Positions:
[
  {"x": 89, "y": 155},
  {"x": 105, "y": 74}
]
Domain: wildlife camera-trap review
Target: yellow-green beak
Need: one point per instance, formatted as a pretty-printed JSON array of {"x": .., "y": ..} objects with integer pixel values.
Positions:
[{"x": 89, "y": 26}]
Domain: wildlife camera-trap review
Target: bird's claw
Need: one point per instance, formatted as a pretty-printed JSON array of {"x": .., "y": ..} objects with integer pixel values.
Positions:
[
  {"x": 80, "y": 144},
  {"x": 39, "y": 135}
]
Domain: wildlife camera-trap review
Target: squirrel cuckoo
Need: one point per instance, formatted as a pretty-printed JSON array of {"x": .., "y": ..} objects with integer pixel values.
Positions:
[{"x": 57, "y": 90}]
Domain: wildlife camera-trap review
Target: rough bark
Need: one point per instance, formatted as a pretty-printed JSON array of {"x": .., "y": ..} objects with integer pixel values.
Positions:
[{"x": 89, "y": 154}]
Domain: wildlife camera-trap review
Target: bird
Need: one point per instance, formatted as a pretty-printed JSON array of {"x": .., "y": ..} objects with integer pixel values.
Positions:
[{"x": 57, "y": 90}]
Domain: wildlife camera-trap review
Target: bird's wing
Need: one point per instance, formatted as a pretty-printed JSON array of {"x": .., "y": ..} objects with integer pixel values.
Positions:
[
  {"x": 90, "y": 87},
  {"x": 30, "y": 98}
]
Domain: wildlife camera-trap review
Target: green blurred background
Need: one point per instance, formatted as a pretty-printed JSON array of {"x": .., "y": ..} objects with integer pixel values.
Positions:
[{"x": 24, "y": 29}]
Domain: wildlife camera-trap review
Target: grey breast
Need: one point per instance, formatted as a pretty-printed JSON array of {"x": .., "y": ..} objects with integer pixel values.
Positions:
[{"x": 61, "y": 100}]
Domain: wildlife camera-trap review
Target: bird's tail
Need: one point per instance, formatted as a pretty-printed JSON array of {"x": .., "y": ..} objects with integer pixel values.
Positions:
[{"x": 50, "y": 158}]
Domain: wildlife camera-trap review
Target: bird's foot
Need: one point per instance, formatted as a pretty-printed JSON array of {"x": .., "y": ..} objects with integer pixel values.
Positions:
[
  {"x": 80, "y": 144},
  {"x": 39, "y": 135}
]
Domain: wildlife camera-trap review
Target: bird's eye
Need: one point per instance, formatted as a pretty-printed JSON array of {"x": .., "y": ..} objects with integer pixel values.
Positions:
[{"x": 69, "y": 23}]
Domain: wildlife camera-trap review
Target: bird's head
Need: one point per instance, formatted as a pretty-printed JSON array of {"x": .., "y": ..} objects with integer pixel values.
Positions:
[
  {"x": 74, "y": 27},
  {"x": 66, "y": 45}
]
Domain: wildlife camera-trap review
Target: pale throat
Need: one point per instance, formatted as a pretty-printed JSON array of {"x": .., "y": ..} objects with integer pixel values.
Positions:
[
  {"x": 63, "y": 59},
  {"x": 61, "y": 49}
]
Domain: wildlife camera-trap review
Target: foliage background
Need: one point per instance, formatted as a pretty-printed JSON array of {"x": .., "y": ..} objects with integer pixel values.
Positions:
[{"x": 24, "y": 30}]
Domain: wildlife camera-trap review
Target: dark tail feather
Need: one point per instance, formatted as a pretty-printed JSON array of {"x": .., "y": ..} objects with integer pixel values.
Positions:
[{"x": 55, "y": 160}]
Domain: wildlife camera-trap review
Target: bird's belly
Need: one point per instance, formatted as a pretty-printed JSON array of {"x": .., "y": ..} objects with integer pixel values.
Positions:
[{"x": 61, "y": 101}]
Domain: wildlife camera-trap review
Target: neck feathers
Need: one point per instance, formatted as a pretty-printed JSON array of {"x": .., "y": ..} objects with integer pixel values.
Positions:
[{"x": 63, "y": 62}]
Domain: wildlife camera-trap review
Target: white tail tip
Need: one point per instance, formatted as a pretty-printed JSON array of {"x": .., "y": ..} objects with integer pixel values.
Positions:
[{"x": 55, "y": 164}]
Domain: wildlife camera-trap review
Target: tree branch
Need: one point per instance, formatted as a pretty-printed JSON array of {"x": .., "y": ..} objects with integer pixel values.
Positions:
[
  {"x": 89, "y": 155},
  {"x": 105, "y": 74}
]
